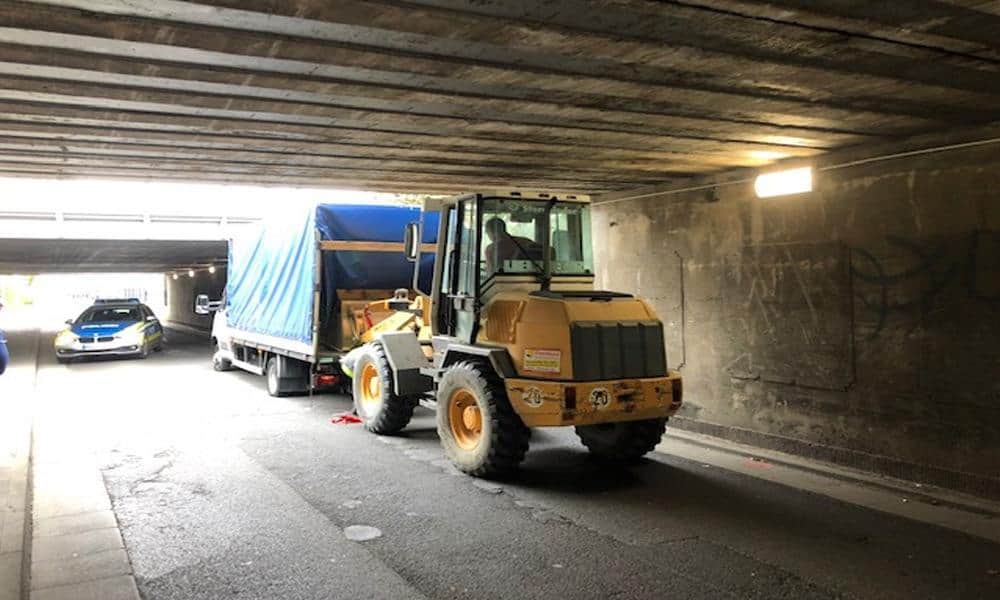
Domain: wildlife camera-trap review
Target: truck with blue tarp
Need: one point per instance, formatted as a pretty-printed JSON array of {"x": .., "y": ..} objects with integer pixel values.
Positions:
[{"x": 298, "y": 286}]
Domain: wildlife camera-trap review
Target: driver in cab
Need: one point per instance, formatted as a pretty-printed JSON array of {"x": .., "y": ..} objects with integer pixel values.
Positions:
[{"x": 504, "y": 246}]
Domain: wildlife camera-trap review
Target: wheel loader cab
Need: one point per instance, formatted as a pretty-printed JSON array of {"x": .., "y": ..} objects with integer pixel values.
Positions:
[
  {"x": 489, "y": 244},
  {"x": 519, "y": 338}
]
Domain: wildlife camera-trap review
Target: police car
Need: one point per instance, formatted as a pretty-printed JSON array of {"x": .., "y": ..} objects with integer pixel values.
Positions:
[{"x": 111, "y": 327}]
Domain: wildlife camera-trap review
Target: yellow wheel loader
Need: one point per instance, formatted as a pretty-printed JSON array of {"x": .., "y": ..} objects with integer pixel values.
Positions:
[{"x": 511, "y": 335}]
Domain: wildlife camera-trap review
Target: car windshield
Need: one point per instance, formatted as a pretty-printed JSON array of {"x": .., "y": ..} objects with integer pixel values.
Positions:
[
  {"x": 513, "y": 240},
  {"x": 110, "y": 314}
]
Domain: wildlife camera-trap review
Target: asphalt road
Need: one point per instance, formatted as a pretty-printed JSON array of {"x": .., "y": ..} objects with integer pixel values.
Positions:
[{"x": 224, "y": 492}]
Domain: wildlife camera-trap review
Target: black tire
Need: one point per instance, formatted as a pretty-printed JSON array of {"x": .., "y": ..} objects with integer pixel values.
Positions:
[
  {"x": 271, "y": 374},
  {"x": 379, "y": 408},
  {"x": 625, "y": 441},
  {"x": 503, "y": 438},
  {"x": 63, "y": 360},
  {"x": 220, "y": 364},
  {"x": 144, "y": 352}
]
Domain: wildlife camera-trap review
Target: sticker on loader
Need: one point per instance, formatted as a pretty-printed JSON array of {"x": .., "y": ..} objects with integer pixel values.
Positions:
[
  {"x": 600, "y": 398},
  {"x": 542, "y": 361},
  {"x": 533, "y": 397}
]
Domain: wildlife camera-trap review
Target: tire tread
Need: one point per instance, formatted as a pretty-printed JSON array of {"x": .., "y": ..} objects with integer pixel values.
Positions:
[
  {"x": 635, "y": 440},
  {"x": 396, "y": 410},
  {"x": 509, "y": 438}
]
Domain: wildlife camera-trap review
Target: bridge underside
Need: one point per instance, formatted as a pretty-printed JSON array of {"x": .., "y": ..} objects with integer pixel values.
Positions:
[
  {"x": 448, "y": 95},
  {"x": 29, "y": 256}
]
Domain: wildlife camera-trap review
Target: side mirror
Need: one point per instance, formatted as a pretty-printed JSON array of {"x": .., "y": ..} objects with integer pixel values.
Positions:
[
  {"x": 150, "y": 318},
  {"x": 69, "y": 322},
  {"x": 411, "y": 241},
  {"x": 202, "y": 305}
]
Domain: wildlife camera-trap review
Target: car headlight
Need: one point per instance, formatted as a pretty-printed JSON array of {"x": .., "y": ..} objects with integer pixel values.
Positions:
[
  {"x": 132, "y": 335},
  {"x": 65, "y": 338}
]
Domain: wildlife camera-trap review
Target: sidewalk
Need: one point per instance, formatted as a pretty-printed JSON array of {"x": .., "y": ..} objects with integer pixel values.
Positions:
[
  {"x": 16, "y": 396},
  {"x": 77, "y": 551},
  {"x": 59, "y": 539},
  {"x": 945, "y": 508}
]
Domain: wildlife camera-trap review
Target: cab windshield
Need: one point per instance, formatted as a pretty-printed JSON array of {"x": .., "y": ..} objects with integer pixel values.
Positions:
[{"x": 514, "y": 238}]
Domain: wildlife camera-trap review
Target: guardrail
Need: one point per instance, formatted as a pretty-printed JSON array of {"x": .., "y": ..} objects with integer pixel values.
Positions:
[{"x": 84, "y": 225}]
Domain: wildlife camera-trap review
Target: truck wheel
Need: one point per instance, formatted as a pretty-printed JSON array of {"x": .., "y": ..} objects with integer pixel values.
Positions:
[
  {"x": 626, "y": 441},
  {"x": 273, "y": 385},
  {"x": 480, "y": 432},
  {"x": 380, "y": 409},
  {"x": 219, "y": 363}
]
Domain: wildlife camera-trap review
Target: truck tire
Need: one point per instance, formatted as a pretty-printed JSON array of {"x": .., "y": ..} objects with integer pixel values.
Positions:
[
  {"x": 273, "y": 384},
  {"x": 478, "y": 428},
  {"x": 219, "y": 363},
  {"x": 380, "y": 409},
  {"x": 625, "y": 441}
]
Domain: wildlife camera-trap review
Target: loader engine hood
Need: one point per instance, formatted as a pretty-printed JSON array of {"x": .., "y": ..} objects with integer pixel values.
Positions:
[{"x": 577, "y": 336}]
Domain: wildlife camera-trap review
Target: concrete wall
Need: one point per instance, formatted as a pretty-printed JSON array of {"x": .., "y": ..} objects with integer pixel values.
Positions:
[
  {"x": 859, "y": 323},
  {"x": 182, "y": 291}
]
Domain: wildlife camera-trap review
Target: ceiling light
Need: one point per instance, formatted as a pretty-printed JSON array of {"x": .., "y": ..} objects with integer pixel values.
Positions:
[
  {"x": 211, "y": 269},
  {"x": 191, "y": 273},
  {"x": 174, "y": 275},
  {"x": 783, "y": 183}
]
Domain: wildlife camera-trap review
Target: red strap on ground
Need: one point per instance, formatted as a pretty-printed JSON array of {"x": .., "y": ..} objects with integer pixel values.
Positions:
[{"x": 345, "y": 418}]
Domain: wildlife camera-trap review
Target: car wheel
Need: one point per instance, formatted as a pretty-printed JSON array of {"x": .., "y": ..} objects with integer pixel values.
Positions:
[
  {"x": 271, "y": 372},
  {"x": 63, "y": 360},
  {"x": 144, "y": 352}
]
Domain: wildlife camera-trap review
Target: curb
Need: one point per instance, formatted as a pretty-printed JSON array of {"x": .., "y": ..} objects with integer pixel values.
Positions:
[{"x": 926, "y": 493}]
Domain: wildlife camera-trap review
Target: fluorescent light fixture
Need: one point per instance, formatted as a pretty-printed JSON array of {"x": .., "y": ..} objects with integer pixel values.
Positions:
[
  {"x": 211, "y": 269},
  {"x": 783, "y": 183},
  {"x": 191, "y": 273},
  {"x": 174, "y": 275}
]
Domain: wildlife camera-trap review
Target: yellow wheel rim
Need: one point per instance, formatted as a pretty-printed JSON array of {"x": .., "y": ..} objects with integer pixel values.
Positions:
[
  {"x": 465, "y": 418},
  {"x": 371, "y": 389}
]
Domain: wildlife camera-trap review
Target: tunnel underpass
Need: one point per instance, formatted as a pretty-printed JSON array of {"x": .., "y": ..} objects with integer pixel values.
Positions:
[{"x": 804, "y": 197}]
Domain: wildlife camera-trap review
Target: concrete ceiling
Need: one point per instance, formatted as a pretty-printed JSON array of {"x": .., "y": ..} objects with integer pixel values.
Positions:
[
  {"x": 25, "y": 256},
  {"x": 449, "y": 95}
]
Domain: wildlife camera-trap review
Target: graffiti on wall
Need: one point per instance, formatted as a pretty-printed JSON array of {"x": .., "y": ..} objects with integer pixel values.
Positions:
[
  {"x": 793, "y": 313},
  {"x": 912, "y": 277}
]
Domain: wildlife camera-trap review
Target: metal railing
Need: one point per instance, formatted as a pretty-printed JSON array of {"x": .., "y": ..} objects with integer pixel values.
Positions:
[{"x": 84, "y": 225}]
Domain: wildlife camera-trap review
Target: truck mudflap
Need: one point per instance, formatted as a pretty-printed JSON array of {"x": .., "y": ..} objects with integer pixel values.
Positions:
[{"x": 558, "y": 403}]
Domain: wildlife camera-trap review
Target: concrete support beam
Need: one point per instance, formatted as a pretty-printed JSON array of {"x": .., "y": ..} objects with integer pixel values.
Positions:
[{"x": 432, "y": 95}]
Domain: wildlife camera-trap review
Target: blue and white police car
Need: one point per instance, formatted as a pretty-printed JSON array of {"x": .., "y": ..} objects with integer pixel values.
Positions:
[{"x": 111, "y": 327}]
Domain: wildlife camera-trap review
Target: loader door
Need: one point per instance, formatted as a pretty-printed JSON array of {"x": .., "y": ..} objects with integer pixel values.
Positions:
[{"x": 460, "y": 274}]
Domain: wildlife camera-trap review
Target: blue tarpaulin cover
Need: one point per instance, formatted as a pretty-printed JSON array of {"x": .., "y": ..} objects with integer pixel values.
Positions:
[{"x": 272, "y": 270}]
